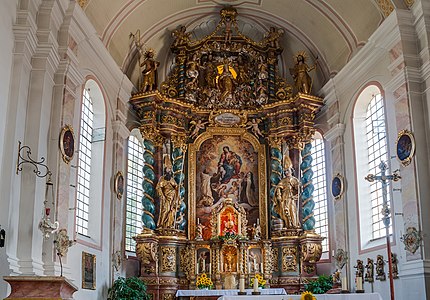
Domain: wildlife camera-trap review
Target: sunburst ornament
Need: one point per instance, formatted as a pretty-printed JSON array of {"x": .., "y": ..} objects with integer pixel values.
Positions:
[
  {"x": 302, "y": 54},
  {"x": 307, "y": 296}
]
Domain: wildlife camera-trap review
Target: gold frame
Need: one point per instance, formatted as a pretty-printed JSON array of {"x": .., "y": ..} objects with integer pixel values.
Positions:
[
  {"x": 261, "y": 152},
  {"x": 342, "y": 186},
  {"x": 91, "y": 285},
  {"x": 119, "y": 194},
  {"x": 406, "y": 161},
  {"x": 66, "y": 157}
]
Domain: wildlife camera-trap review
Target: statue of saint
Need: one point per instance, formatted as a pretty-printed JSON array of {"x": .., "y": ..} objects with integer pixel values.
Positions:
[
  {"x": 149, "y": 73},
  {"x": 168, "y": 193},
  {"x": 286, "y": 198},
  {"x": 226, "y": 83},
  {"x": 300, "y": 74}
]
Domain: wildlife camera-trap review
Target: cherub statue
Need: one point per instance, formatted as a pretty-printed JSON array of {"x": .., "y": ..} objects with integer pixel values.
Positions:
[
  {"x": 181, "y": 37},
  {"x": 193, "y": 71},
  {"x": 394, "y": 262},
  {"x": 62, "y": 242},
  {"x": 199, "y": 230},
  {"x": 256, "y": 232},
  {"x": 360, "y": 268},
  {"x": 272, "y": 37},
  {"x": 197, "y": 126},
  {"x": 253, "y": 125}
]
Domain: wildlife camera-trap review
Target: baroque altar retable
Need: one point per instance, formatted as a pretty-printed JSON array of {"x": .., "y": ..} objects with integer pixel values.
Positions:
[{"x": 222, "y": 138}]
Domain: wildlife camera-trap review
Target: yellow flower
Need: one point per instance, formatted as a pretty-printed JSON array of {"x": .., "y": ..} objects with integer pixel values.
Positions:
[{"x": 307, "y": 296}]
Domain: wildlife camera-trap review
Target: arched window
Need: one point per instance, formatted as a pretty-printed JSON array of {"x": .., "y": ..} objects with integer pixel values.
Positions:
[
  {"x": 134, "y": 189},
  {"x": 320, "y": 193},
  {"x": 90, "y": 163},
  {"x": 370, "y": 137}
]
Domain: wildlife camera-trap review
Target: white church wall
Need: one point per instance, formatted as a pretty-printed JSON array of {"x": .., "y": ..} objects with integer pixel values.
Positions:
[
  {"x": 40, "y": 94},
  {"x": 382, "y": 60},
  {"x": 7, "y": 19}
]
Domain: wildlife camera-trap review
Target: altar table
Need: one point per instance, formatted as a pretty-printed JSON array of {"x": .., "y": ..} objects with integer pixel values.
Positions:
[
  {"x": 212, "y": 293},
  {"x": 367, "y": 296}
]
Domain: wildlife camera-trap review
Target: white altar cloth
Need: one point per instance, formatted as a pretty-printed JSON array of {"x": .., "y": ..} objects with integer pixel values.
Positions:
[
  {"x": 367, "y": 296},
  {"x": 202, "y": 293}
]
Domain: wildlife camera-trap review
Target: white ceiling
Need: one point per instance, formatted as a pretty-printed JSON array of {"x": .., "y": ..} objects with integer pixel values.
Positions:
[{"x": 333, "y": 30}]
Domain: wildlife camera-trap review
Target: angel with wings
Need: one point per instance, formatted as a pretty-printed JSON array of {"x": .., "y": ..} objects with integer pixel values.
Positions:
[
  {"x": 197, "y": 126},
  {"x": 253, "y": 125}
]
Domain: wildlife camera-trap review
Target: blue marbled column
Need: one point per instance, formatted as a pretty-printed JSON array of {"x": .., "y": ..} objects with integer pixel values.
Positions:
[
  {"x": 275, "y": 174},
  {"x": 178, "y": 174},
  {"x": 308, "y": 203},
  {"x": 148, "y": 185}
]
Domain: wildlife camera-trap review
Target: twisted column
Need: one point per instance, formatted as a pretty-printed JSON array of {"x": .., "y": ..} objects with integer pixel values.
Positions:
[
  {"x": 148, "y": 185},
  {"x": 275, "y": 170},
  {"x": 178, "y": 155},
  {"x": 181, "y": 75},
  {"x": 308, "y": 203}
]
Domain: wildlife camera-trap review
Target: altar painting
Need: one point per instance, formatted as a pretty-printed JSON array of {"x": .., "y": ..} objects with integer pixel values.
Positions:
[{"x": 226, "y": 168}]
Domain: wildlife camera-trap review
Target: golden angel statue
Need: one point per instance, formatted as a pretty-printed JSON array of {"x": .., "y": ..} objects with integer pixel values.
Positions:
[
  {"x": 168, "y": 193},
  {"x": 286, "y": 197},
  {"x": 299, "y": 72}
]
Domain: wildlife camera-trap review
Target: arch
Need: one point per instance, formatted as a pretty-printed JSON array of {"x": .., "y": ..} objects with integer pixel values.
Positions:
[
  {"x": 370, "y": 139},
  {"x": 90, "y": 175}
]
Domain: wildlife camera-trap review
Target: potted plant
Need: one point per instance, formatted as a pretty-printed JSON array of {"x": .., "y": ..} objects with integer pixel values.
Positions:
[
  {"x": 320, "y": 286},
  {"x": 128, "y": 288}
]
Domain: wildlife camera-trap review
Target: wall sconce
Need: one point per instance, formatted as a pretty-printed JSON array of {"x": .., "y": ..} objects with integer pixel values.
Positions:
[
  {"x": 2, "y": 237},
  {"x": 45, "y": 225}
]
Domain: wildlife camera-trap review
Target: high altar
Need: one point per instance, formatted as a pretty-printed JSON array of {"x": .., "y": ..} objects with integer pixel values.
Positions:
[{"x": 228, "y": 171}]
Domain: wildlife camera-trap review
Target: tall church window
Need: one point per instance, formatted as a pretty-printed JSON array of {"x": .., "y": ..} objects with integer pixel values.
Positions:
[
  {"x": 89, "y": 185},
  {"x": 84, "y": 169},
  {"x": 134, "y": 190},
  {"x": 376, "y": 135},
  {"x": 370, "y": 139},
  {"x": 320, "y": 193}
]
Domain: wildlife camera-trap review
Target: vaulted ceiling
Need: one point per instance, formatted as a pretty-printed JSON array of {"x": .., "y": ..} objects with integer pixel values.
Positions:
[{"x": 332, "y": 30}]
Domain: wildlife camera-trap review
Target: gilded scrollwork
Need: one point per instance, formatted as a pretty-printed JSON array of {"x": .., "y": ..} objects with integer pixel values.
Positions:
[
  {"x": 289, "y": 259},
  {"x": 311, "y": 252},
  {"x": 186, "y": 260},
  {"x": 168, "y": 259}
]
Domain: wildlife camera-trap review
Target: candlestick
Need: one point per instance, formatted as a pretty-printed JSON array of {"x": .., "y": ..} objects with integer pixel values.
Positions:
[
  {"x": 255, "y": 284},
  {"x": 359, "y": 283},
  {"x": 242, "y": 285},
  {"x": 344, "y": 284}
]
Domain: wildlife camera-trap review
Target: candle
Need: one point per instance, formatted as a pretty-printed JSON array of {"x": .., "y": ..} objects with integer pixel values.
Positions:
[
  {"x": 359, "y": 283},
  {"x": 242, "y": 285},
  {"x": 255, "y": 284},
  {"x": 261, "y": 268},
  {"x": 332, "y": 253},
  {"x": 204, "y": 267},
  {"x": 210, "y": 268},
  {"x": 249, "y": 267},
  {"x": 258, "y": 221},
  {"x": 197, "y": 268},
  {"x": 237, "y": 267},
  {"x": 198, "y": 220},
  {"x": 344, "y": 284}
]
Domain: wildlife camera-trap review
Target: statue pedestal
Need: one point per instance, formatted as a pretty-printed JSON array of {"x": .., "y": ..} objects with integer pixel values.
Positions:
[{"x": 37, "y": 287}]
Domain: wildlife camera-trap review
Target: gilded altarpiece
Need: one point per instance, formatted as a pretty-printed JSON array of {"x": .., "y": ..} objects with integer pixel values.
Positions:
[{"x": 221, "y": 137}]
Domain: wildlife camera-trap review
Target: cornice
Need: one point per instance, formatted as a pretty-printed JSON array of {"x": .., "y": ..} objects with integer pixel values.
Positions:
[{"x": 334, "y": 132}]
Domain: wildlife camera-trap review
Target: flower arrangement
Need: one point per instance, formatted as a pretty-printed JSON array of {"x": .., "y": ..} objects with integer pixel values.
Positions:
[
  {"x": 261, "y": 281},
  {"x": 307, "y": 296},
  {"x": 204, "y": 282}
]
